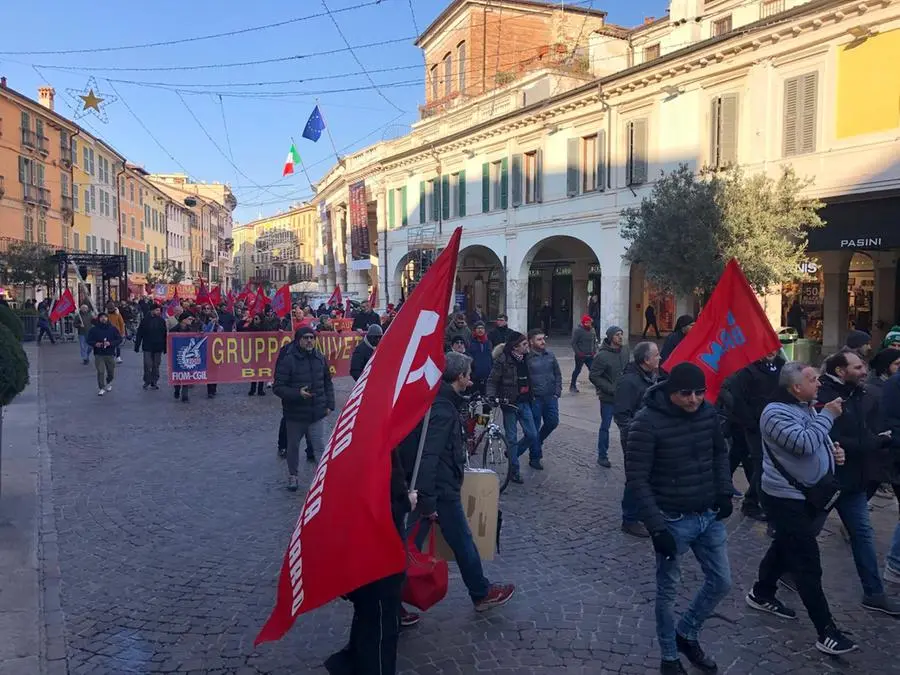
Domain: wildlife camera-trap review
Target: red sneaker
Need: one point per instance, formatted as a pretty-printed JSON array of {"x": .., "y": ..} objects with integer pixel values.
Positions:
[
  {"x": 498, "y": 595},
  {"x": 407, "y": 618}
]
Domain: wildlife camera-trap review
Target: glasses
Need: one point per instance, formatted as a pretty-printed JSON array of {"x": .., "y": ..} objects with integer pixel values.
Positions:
[
  {"x": 307, "y": 337},
  {"x": 692, "y": 392}
]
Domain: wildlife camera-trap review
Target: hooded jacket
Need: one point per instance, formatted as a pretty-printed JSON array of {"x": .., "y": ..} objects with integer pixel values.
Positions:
[
  {"x": 297, "y": 368},
  {"x": 866, "y": 452},
  {"x": 503, "y": 380},
  {"x": 677, "y": 461},
  {"x": 629, "y": 396},
  {"x": 676, "y": 337},
  {"x": 443, "y": 453},
  {"x": 115, "y": 318},
  {"x": 606, "y": 369},
  {"x": 360, "y": 357},
  {"x": 100, "y": 332},
  {"x": 499, "y": 335}
]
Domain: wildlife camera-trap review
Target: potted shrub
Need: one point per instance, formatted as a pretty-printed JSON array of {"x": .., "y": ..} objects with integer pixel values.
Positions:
[
  {"x": 13, "y": 373},
  {"x": 9, "y": 319}
]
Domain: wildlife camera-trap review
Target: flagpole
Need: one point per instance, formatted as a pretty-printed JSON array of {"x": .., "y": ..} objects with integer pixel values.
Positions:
[
  {"x": 415, "y": 473},
  {"x": 328, "y": 131},
  {"x": 303, "y": 166}
]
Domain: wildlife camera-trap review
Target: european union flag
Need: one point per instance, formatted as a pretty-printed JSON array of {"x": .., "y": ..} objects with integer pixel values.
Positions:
[{"x": 314, "y": 125}]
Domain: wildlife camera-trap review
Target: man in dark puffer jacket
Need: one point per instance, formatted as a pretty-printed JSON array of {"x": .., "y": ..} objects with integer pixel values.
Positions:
[
  {"x": 677, "y": 470},
  {"x": 303, "y": 383}
]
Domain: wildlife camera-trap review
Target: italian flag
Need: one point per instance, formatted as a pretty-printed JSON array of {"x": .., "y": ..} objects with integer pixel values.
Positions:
[{"x": 293, "y": 157}]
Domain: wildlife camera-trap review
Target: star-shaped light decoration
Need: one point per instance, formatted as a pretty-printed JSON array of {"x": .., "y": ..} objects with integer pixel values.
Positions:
[{"x": 90, "y": 101}]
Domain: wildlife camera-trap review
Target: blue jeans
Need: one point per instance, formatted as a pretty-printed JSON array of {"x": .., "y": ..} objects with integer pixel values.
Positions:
[
  {"x": 707, "y": 538},
  {"x": 458, "y": 536},
  {"x": 85, "y": 347},
  {"x": 853, "y": 508},
  {"x": 524, "y": 417},
  {"x": 579, "y": 363},
  {"x": 606, "y": 418},
  {"x": 545, "y": 411},
  {"x": 893, "y": 556}
]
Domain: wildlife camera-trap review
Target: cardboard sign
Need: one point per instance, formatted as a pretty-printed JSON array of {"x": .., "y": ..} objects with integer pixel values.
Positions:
[{"x": 480, "y": 497}]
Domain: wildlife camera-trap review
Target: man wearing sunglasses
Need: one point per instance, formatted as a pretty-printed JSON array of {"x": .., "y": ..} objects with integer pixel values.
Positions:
[
  {"x": 678, "y": 474},
  {"x": 303, "y": 383}
]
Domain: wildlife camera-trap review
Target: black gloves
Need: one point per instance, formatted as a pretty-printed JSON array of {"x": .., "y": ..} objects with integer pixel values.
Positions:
[
  {"x": 664, "y": 544},
  {"x": 724, "y": 507}
]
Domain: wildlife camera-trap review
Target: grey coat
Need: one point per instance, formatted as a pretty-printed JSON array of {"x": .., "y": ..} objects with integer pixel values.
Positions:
[
  {"x": 584, "y": 342},
  {"x": 607, "y": 368}
]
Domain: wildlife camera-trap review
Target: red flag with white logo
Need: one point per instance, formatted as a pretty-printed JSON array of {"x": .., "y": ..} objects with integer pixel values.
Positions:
[
  {"x": 202, "y": 294},
  {"x": 281, "y": 303},
  {"x": 260, "y": 302},
  {"x": 345, "y": 535},
  {"x": 336, "y": 299},
  {"x": 64, "y": 305},
  {"x": 215, "y": 296},
  {"x": 731, "y": 332}
]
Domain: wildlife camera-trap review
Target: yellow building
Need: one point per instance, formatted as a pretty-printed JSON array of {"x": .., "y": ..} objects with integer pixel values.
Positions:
[{"x": 281, "y": 248}]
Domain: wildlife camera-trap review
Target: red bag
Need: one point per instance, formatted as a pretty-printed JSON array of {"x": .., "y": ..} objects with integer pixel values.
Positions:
[{"x": 427, "y": 577}]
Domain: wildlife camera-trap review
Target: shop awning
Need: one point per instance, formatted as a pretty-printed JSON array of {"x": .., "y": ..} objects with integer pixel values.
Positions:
[{"x": 866, "y": 225}]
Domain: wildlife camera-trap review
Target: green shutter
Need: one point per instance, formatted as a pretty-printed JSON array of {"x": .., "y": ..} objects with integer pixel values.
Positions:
[
  {"x": 504, "y": 183},
  {"x": 391, "y": 215},
  {"x": 485, "y": 187},
  {"x": 517, "y": 180},
  {"x": 445, "y": 196},
  {"x": 435, "y": 187},
  {"x": 421, "y": 201},
  {"x": 403, "y": 219},
  {"x": 462, "y": 193}
]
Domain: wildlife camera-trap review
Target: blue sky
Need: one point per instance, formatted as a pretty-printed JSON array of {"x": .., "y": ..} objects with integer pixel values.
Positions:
[{"x": 259, "y": 125}]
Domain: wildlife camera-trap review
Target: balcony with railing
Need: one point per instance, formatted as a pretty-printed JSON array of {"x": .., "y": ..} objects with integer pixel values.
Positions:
[
  {"x": 31, "y": 193},
  {"x": 208, "y": 256},
  {"x": 65, "y": 154},
  {"x": 29, "y": 139},
  {"x": 43, "y": 144},
  {"x": 66, "y": 203}
]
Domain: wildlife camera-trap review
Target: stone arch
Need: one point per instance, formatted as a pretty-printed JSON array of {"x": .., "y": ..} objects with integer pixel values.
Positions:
[{"x": 480, "y": 280}]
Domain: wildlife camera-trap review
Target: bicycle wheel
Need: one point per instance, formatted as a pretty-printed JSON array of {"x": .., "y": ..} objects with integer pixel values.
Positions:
[
  {"x": 496, "y": 458},
  {"x": 473, "y": 449}
]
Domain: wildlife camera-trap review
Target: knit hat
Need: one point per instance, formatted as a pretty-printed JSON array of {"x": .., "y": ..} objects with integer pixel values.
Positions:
[
  {"x": 893, "y": 335},
  {"x": 374, "y": 331},
  {"x": 512, "y": 340},
  {"x": 684, "y": 376},
  {"x": 304, "y": 330},
  {"x": 459, "y": 339},
  {"x": 612, "y": 330},
  {"x": 884, "y": 359},
  {"x": 586, "y": 321},
  {"x": 478, "y": 324},
  {"x": 857, "y": 338}
]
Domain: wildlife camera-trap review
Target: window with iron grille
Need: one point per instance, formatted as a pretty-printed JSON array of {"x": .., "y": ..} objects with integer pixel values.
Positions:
[
  {"x": 651, "y": 52},
  {"x": 721, "y": 26}
]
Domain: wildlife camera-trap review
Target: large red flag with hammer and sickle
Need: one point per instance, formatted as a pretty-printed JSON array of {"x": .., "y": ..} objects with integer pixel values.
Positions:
[{"x": 345, "y": 536}]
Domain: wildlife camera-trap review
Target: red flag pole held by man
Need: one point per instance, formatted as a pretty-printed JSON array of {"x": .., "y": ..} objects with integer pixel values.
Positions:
[
  {"x": 345, "y": 537},
  {"x": 731, "y": 332},
  {"x": 260, "y": 302},
  {"x": 246, "y": 294},
  {"x": 229, "y": 301},
  {"x": 202, "y": 294},
  {"x": 215, "y": 296},
  {"x": 281, "y": 303},
  {"x": 64, "y": 305},
  {"x": 336, "y": 299}
]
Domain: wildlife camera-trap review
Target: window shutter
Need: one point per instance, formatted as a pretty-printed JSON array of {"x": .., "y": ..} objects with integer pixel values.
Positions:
[
  {"x": 790, "y": 136},
  {"x": 728, "y": 130},
  {"x": 539, "y": 176},
  {"x": 421, "y": 201},
  {"x": 434, "y": 188},
  {"x": 601, "y": 160},
  {"x": 517, "y": 180},
  {"x": 391, "y": 216},
  {"x": 572, "y": 167},
  {"x": 485, "y": 187},
  {"x": 809, "y": 86},
  {"x": 445, "y": 196},
  {"x": 638, "y": 152},
  {"x": 403, "y": 217},
  {"x": 504, "y": 183},
  {"x": 462, "y": 192},
  {"x": 714, "y": 126},
  {"x": 22, "y": 170}
]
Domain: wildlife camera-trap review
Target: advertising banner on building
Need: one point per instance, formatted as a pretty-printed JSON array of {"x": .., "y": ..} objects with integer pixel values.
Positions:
[
  {"x": 360, "y": 249},
  {"x": 222, "y": 358},
  {"x": 327, "y": 238}
]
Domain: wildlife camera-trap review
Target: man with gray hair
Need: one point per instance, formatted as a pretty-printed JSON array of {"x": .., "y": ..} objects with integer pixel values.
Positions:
[
  {"x": 797, "y": 456},
  {"x": 638, "y": 376},
  {"x": 440, "y": 480}
]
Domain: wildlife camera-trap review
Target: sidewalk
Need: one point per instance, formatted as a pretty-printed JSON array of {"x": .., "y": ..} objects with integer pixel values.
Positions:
[{"x": 29, "y": 595}]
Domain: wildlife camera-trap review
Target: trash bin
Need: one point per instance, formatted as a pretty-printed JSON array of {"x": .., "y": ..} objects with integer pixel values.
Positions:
[
  {"x": 788, "y": 338},
  {"x": 808, "y": 351}
]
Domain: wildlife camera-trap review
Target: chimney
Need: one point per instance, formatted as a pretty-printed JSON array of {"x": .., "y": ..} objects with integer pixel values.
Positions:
[
  {"x": 3, "y": 82},
  {"x": 45, "y": 96},
  {"x": 648, "y": 20}
]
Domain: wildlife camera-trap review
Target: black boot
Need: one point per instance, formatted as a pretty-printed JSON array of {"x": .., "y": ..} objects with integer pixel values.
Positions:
[
  {"x": 252, "y": 389},
  {"x": 695, "y": 654}
]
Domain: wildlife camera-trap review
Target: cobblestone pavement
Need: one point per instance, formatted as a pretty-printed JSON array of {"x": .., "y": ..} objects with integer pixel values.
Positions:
[{"x": 172, "y": 520}]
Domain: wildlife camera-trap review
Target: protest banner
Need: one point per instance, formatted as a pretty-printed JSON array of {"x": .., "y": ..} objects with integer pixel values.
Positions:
[{"x": 223, "y": 358}]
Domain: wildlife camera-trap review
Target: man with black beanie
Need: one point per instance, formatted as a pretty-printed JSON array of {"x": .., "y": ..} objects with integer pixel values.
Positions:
[{"x": 679, "y": 476}]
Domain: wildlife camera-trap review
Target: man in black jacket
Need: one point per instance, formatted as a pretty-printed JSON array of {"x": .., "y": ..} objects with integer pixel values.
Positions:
[
  {"x": 752, "y": 389},
  {"x": 303, "y": 383},
  {"x": 501, "y": 331},
  {"x": 843, "y": 378},
  {"x": 104, "y": 338},
  {"x": 364, "y": 350},
  {"x": 440, "y": 481},
  {"x": 365, "y": 317},
  {"x": 678, "y": 472},
  {"x": 151, "y": 335},
  {"x": 638, "y": 376}
]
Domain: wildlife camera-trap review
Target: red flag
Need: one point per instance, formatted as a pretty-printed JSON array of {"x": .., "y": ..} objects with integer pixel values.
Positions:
[
  {"x": 229, "y": 302},
  {"x": 173, "y": 305},
  {"x": 731, "y": 332},
  {"x": 336, "y": 300},
  {"x": 393, "y": 393},
  {"x": 245, "y": 294},
  {"x": 64, "y": 305},
  {"x": 373, "y": 298},
  {"x": 215, "y": 296},
  {"x": 347, "y": 308},
  {"x": 202, "y": 294},
  {"x": 281, "y": 303},
  {"x": 260, "y": 300}
]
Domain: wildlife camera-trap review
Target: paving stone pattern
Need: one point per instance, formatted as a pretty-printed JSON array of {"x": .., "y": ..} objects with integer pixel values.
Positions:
[{"x": 172, "y": 519}]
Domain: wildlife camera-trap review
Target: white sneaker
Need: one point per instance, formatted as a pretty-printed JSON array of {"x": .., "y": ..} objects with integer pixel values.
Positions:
[
  {"x": 101, "y": 392},
  {"x": 109, "y": 387},
  {"x": 118, "y": 359}
]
